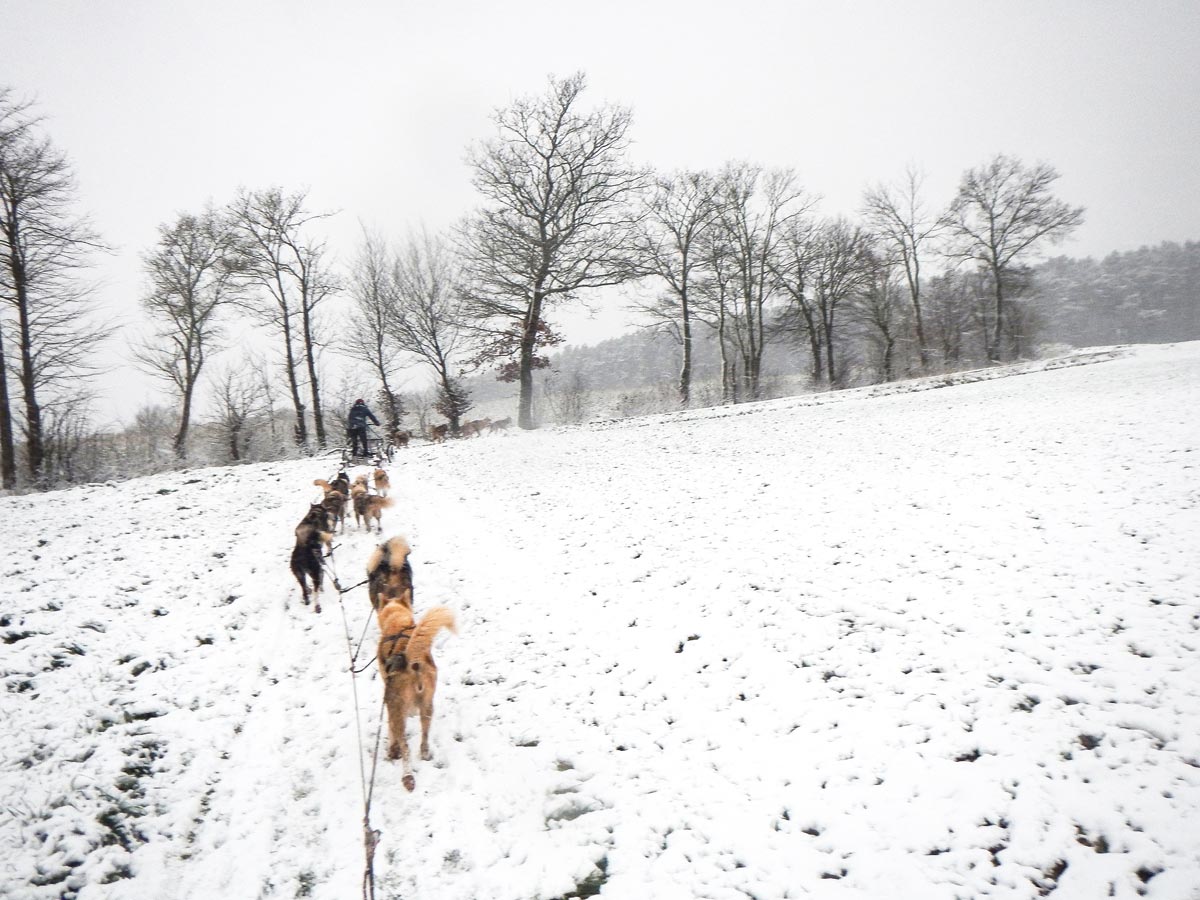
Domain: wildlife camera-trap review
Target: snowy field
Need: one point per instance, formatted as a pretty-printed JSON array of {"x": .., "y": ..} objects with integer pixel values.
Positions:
[{"x": 899, "y": 642}]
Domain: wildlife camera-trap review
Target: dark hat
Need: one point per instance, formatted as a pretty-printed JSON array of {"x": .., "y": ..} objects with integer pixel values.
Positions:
[{"x": 359, "y": 400}]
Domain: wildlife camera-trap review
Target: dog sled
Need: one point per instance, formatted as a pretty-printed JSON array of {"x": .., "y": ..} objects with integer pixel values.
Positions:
[{"x": 379, "y": 450}]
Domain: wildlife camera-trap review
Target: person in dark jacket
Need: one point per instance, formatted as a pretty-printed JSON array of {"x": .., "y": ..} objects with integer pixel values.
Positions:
[{"x": 356, "y": 425}]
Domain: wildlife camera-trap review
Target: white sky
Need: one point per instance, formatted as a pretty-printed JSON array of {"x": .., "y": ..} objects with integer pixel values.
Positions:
[{"x": 370, "y": 105}]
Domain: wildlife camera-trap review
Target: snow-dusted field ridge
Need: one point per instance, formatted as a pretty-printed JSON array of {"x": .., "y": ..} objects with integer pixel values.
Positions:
[{"x": 898, "y": 644}]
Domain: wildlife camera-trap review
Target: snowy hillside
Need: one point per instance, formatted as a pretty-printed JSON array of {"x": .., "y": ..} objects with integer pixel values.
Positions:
[{"x": 886, "y": 643}]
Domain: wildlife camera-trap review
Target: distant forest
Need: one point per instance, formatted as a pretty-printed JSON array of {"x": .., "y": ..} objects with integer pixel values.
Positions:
[
  {"x": 1150, "y": 295},
  {"x": 1145, "y": 296}
]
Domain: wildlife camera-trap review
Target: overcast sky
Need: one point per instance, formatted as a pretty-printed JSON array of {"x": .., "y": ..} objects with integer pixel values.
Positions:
[{"x": 163, "y": 106}]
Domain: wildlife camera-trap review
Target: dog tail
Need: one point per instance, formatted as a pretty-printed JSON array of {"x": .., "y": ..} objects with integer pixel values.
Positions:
[
  {"x": 384, "y": 503},
  {"x": 422, "y": 637},
  {"x": 323, "y": 484}
]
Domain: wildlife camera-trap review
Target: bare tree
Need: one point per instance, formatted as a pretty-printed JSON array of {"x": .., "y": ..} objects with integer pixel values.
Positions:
[
  {"x": 756, "y": 207},
  {"x": 1003, "y": 213},
  {"x": 950, "y": 306},
  {"x": 680, "y": 210},
  {"x": 839, "y": 272},
  {"x": 194, "y": 271},
  {"x": 897, "y": 214},
  {"x": 290, "y": 267},
  {"x": 44, "y": 246},
  {"x": 557, "y": 219},
  {"x": 260, "y": 375},
  {"x": 67, "y": 433},
  {"x": 716, "y": 299},
  {"x": 567, "y": 396},
  {"x": 8, "y": 453},
  {"x": 791, "y": 268},
  {"x": 148, "y": 443},
  {"x": 876, "y": 309},
  {"x": 368, "y": 338},
  {"x": 237, "y": 399},
  {"x": 426, "y": 317}
]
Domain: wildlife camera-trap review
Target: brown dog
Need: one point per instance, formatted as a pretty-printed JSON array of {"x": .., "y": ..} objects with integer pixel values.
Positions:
[
  {"x": 389, "y": 575},
  {"x": 382, "y": 484},
  {"x": 313, "y": 534},
  {"x": 475, "y": 427},
  {"x": 368, "y": 507},
  {"x": 438, "y": 433},
  {"x": 409, "y": 674}
]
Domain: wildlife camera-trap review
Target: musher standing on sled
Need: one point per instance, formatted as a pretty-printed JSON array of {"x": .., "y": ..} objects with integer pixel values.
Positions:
[{"x": 356, "y": 425}]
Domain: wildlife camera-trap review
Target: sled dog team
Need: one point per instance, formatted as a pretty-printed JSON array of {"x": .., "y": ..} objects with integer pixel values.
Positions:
[{"x": 404, "y": 654}]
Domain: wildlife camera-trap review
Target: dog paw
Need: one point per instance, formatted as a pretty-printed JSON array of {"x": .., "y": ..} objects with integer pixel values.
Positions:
[
  {"x": 409, "y": 782},
  {"x": 426, "y": 755}
]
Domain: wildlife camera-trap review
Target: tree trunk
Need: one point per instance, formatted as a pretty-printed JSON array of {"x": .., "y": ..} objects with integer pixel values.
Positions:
[
  {"x": 748, "y": 355},
  {"x": 685, "y": 365},
  {"x": 185, "y": 418},
  {"x": 685, "y": 369},
  {"x": 301, "y": 429},
  {"x": 391, "y": 410},
  {"x": 922, "y": 349},
  {"x": 528, "y": 340},
  {"x": 726, "y": 376},
  {"x": 828, "y": 329},
  {"x": 993, "y": 350},
  {"x": 8, "y": 453},
  {"x": 814, "y": 341},
  {"x": 34, "y": 447},
  {"x": 310, "y": 359},
  {"x": 448, "y": 389},
  {"x": 34, "y": 444}
]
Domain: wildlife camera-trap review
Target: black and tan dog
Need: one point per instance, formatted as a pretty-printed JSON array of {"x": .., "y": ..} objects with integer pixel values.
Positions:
[
  {"x": 389, "y": 575},
  {"x": 313, "y": 535},
  {"x": 341, "y": 484},
  {"x": 334, "y": 502},
  {"x": 405, "y": 657}
]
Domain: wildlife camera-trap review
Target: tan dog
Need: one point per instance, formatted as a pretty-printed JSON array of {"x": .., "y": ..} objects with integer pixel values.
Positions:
[
  {"x": 357, "y": 490},
  {"x": 438, "y": 433},
  {"x": 382, "y": 484},
  {"x": 389, "y": 575},
  {"x": 409, "y": 674}
]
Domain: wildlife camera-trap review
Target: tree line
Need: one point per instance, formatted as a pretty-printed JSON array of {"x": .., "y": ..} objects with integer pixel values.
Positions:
[{"x": 738, "y": 258}]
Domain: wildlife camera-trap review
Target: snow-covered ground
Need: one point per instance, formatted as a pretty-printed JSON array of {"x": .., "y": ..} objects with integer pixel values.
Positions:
[{"x": 887, "y": 643}]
